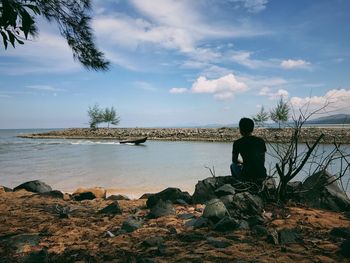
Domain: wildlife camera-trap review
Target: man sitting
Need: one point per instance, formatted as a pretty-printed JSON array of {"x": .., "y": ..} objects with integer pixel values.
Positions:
[{"x": 252, "y": 149}]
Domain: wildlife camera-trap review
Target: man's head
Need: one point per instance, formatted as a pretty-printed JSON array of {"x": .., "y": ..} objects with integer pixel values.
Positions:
[{"x": 246, "y": 126}]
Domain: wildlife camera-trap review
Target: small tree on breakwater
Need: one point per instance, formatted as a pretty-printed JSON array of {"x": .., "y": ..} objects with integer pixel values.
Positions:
[{"x": 98, "y": 115}]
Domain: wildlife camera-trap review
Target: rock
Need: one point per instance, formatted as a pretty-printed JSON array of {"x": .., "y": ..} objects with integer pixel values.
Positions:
[
  {"x": 153, "y": 242},
  {"x": 205, "y": 189},
  {"x": 215, "y": 210},
  {"x": 260, "y": 231},
  {"x": 118, "y": 197},
  {"x": 343, "y": 232},
  {"x": 34, "y": 186},
  {"x": 5, "y": 189},
  {"x": 226, "y": 224},
  {"x": 40, "y": 256},
  {"x": 255, "y": 220},
  {"x": 21, "y": 242},
  {"x": 243, "y": 225},
  {"x": 191, "y": 237},
  {"x": 146, "y": 196},
  {"x": 215, "y": 242},
  {"x": 131, "y": 224},
  {"x": 294, "y": 190},
  {"x": 331, "y": 197},
  {"x": 112, "y": 208},
  {"x": 197, "y": 223},
  {"x": 89, "y": 193},
  {"x": 186, "y": 216},
  {"x": 227, "y": 199},
  {"x": 245, "y": 204},
  {"x": 161, "y": 209},
  {"x": 269, "y": 190},
  {"x": 53, "y": 194},
  {"x": 226, "y": 189},
  {"x": 345, "y": 248},
  {"x": 180, "y": 202},
  {"x": 289, "y": 236},
  {"x": 169, "y": 194}
]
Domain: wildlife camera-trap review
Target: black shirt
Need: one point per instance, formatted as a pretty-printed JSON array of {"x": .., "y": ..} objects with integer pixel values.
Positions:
[{"x": 252, "y": 150}]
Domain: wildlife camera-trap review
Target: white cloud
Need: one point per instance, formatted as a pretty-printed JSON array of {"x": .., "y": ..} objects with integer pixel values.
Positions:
[
  {"x": 253, "y": 6},
  {"x": 43, "y": 88},
  {"x": 222, "y": 88},
  {"x": 145, "y": 85},
  {"x": 295, "y": 64},
  {"x": 178, "y": 90},
  {"x": 244, "y": 58},
  {"x": 338, "y": 100},
  {"x": 266, "y": 91}
]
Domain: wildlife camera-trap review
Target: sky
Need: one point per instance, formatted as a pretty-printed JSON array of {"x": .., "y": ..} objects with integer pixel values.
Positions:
[{"x": 183, "y": 63}]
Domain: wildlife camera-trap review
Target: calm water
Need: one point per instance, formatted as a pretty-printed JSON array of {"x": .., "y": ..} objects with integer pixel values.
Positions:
[{"x": 128, "y": 169}]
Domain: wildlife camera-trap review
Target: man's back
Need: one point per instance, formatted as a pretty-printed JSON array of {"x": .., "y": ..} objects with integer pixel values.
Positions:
[{"x": 252, "y": 150}]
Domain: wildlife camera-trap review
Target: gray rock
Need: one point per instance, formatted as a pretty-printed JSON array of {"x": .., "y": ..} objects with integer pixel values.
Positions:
[
  {"x": 169, "y": 194},
  {"x": 35, "y": 186},
  {"x": 345, "y": 248},
  {"x": 255, "y": 220},
  {"x": 215, "y": 210},
  {"x": 112, "y": 208},
  {"x": 260, "y": 231},
  {"x": 215, "y": 242},
  {"x": 5, "y": 189},
  {"x": 131, "y": 224},
  {"x": 191, "y": 237},
  {"x": 227, "y": 199},
  {"x": 197, "y": 222},
  {"x": 21, "y": 242},
  {"x": 319, "y": 195},
  {"x": 40, "y": 256},
  {"x": 180, "y": 202},
  {"x": 146, "y": 195},
  {"x": 153, "y": 242},
  {"x": 245, "y": 204},
  {"x": 226, "y": 224},
  {"x": 161, "y": 208},
  {"x": 118, "y": 197},
  {"x": 226, "y": 189},
  {"x": 53, "y": 194},
  {"x": 343, "y": 232},
  {"x": 186, "y": 216},
  {"x": 89, "y": 193},
  {"x": 243, "y": 225},
  {"x": 205, "y": 189},
  {"x": 289, "y": 236}
]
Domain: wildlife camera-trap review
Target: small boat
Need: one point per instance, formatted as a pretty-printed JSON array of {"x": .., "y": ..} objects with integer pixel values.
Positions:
[{"x": 134, "y": 140}]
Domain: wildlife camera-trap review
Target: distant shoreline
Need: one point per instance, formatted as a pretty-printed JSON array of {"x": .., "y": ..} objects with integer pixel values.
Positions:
[{"x": 224, "y": 134}]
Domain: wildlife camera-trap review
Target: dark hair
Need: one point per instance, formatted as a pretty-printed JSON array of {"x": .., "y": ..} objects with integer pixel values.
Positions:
[{"x": 246, "y": 126}]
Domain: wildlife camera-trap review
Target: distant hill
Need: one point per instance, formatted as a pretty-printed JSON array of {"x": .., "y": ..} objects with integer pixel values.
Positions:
[{"x": 332, "y": 119}]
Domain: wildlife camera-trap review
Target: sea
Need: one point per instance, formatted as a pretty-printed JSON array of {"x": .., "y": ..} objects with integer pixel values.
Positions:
[{"x": 67, "y": 164}]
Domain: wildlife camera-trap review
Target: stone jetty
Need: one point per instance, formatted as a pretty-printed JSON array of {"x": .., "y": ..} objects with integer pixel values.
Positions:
[{"x": 224, "y": 134}]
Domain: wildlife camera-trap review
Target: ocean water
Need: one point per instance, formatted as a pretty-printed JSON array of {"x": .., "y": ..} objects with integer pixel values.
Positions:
[{"x": 121, "y": 168}]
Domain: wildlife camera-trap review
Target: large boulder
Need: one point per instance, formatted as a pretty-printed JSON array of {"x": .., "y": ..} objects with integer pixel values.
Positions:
[
  {"x": 215, "y": 210},
  {"x": 89, "y": 193},
  {"x": 244, "y": 205},
  {"x": 35, "y": 186},
  {"x": 162, "y": 208},
  {"x": 321, "y": 190},
  {"x": 205, "y": 189},
  {"x": 170, "y": 194}
]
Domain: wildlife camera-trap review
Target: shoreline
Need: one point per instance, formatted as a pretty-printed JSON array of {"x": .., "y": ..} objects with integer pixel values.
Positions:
[{"x": 224, "y": 134}]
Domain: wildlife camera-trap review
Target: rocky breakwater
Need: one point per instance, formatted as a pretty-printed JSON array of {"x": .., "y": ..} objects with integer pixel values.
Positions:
[{"x": 224, "y": 134}]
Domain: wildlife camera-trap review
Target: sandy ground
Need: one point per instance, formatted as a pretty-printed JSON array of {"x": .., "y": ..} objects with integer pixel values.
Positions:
[{"x": 83, "y": 236}]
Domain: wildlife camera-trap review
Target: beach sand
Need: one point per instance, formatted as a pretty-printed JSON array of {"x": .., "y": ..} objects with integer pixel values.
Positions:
[{"x": 30, "y": 226}]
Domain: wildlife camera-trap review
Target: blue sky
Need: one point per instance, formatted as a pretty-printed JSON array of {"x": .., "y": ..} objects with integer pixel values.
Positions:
[{"x": 183, "y": 62}]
